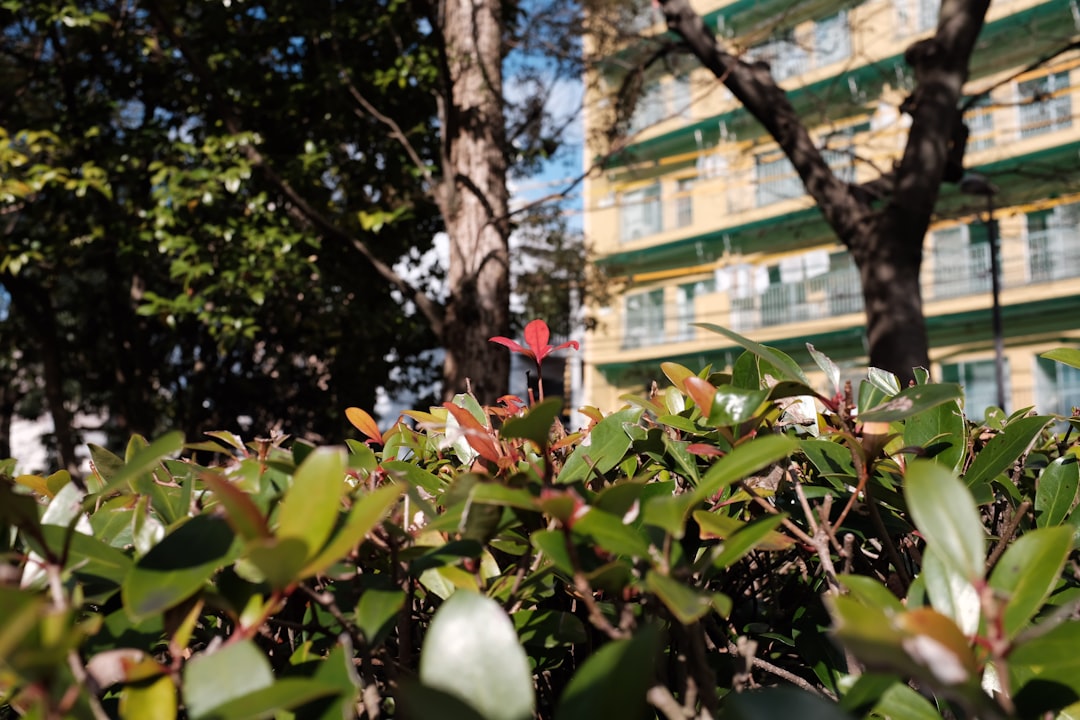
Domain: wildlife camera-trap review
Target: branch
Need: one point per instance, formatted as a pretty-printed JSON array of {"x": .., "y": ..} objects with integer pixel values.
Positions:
[
  {"x": 1034, "y": 65},
  {"x": 299, "y": 209},
  {"x": 754, "y": 86}
]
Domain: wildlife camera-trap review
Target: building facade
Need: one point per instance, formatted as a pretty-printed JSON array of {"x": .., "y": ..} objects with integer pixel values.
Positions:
[{"x": 702, "y": 219}]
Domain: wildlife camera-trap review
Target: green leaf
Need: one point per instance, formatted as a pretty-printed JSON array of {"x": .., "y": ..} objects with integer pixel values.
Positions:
[
  {"x": 686, "y": 604},
  {"x": 472, "y": 652},
  {"x": 177, "y": 566},
  {"x": 736, "y": 545},
  {"x": 536, "y": 424},
  {"x": 945, "y": 513},
  {"x": 780, "y": 702},
  {"x": 1028, "y": 571},
  {"x": 279, "y": 561},
  {"x": 1068, "y": 356},
  {"x": 421, "y": 703},
  {"x": 87, "y": 557},
  {"x": 788, "y": 367},
  {"x": 609, "y": 532},
  {"x": 375, "y": 611},
  {"x": 732, "y": 405},
  {"x": 884, "y": 381},
  {"x": 870, "y": 592},
  {"x": 213, "y": 679},
  {"x": 950, "y": 592},
  {"x": 144, "y": 460},
  {"x": 602, "y": 449},
  {"x": 667, "y": 512},
  {"x": 912, "y": 401},
  {"x": 414, "y": 475},
  {"x": 549, "y": 628},
  {"x": 1045, "y": 671},
  {"x": 903, "y": 703},
  {"x": 312, "y": 504},
  {"x": 366, "y": 513},
  {"x": 285, "y": 694},
  {"x": 743, "y": 460},
  {"x": 1055, "y": 492},
  {"x": 613, "y": 681},
  {"x": 1004, "y": 449},
  {"x": 941, "y": 431},
  {"x": 832, "y": 372},
  {"x": 155, "y": 699}
]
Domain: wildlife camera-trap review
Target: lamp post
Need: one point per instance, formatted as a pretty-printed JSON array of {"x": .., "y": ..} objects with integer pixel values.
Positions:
[{"x": 978, "y": 185}]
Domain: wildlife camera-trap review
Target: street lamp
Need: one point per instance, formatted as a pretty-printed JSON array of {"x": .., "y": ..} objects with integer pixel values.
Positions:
[{"x": 978, "y": 184}]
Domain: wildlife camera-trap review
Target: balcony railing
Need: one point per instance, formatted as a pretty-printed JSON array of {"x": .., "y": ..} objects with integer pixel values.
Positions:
[{"x": 1044, "y": 256}]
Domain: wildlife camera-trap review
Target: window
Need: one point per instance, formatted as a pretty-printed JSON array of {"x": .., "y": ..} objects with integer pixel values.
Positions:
[
  {"x": 979, "y": 379},
  {"x": 785, "y": 57},
  {"x": 961, "y": 260},
  {"x": 1057, "y": 387},
  {"x": 832, "y": 40},
  {"x": 776, "y": 179},
  {"x": 915, "y": 16},
  {"x": 650, "y": 107},
  {"x": 680, "y": 96},
  {"x": 644, "y": 323},
  {"x": 684, "y": 202},
  {"x": 640, "y": 213},
  {"x": 1053, "y": 241},
  {"x": 1045, "y": 104},
  {"x": 685, "y": 316},
  {"x": 980, "y": 123}
]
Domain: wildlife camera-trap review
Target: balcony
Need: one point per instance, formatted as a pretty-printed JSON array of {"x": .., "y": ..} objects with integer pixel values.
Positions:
[{"x": 956, "y": 271}]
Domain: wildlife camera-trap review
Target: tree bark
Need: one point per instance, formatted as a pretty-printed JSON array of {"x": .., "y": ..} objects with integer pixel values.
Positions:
[
  {"x": 34, "y": 303},
  {"x": 886, "y": 243},
  {"x": 473, "y": 199}
]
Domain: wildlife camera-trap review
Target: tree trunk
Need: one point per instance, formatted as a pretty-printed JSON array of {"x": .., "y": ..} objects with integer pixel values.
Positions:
[
  {"x": 886, "y": 243},
  {"x": 473, "y": 200},
  {"x": 889, "y": 259},
  {"x": 34, "y": 303}
]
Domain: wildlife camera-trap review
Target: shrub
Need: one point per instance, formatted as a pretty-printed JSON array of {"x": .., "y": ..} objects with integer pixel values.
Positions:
[{"x": 741, "y": 545}]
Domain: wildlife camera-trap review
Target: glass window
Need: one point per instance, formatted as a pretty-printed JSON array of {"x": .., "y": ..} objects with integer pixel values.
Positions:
[
  {"x": 1045, "y": 104},
  {"x": 785, "y": 57},
  {"x": 649, "y": 109},
  {"x": 1053, "y": 240},
  {"x": 832, "y": 40},
  {"x": 1057, "y": 387},
  {"x": 644, "y": 324},
  {"x": 684, "y": 202},
  {"x": 640, "y": 214},
  {"x": 961, "y": 260},
  {"x": 776, "y": 179},
  {"x": 685, "y": 314},
  {"x": 980, "y": 123},
  {"x": 979, "y": 379}
]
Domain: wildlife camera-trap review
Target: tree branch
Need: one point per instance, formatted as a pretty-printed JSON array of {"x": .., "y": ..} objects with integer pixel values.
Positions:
[{"x": 299, "y": 209}]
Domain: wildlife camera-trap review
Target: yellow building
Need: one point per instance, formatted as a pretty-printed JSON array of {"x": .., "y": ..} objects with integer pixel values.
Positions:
[{"x": 706, "y": 220}]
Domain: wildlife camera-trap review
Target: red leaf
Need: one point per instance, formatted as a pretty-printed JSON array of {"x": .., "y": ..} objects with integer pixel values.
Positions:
[
  {"x": 703, "y": 450},
  {"x": 507, "y": 342},
  {"x": 536, "y": 337},
  {"x": 702, "y": 392},
  {"x": 364, "y": 423},
  {"x": 478, "y": 436}
]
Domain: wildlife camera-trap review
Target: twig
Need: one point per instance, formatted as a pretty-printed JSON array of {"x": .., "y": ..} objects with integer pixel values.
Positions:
[
  {"x": 783, "y": 674},
  {"x": 662, "y": 699},
  {"x": 1010, "y": 530}
]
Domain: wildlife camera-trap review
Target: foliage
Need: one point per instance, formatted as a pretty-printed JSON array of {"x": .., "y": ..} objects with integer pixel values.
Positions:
[{"x": 742, "y": 545}]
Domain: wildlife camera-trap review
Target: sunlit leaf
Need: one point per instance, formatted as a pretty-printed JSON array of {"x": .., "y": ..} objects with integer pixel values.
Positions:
[
  {"x": 1028, "y": 571},
  {"x": 312, "y": 504},
  {"x": 1055, "y": 493},
  {"x": 945, "y": 513},
  {"x": 471, "y": 651}
]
